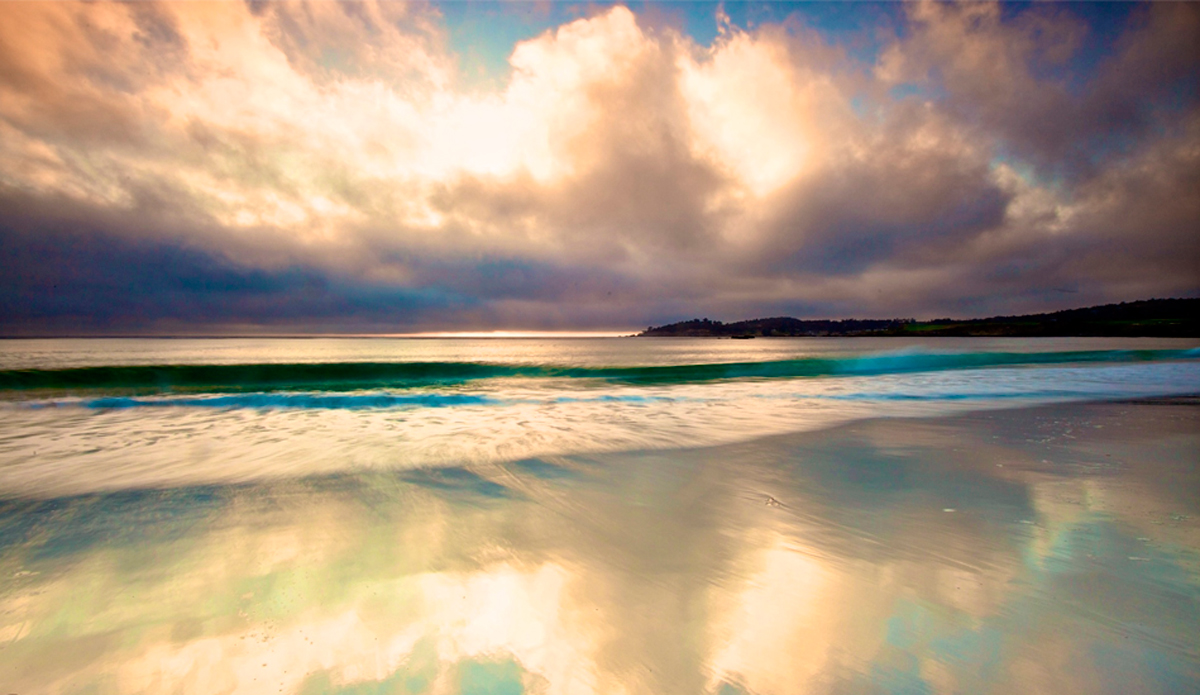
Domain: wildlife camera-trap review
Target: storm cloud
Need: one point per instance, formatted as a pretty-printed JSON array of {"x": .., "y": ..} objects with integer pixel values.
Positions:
[{"x": 316, "y": 166}]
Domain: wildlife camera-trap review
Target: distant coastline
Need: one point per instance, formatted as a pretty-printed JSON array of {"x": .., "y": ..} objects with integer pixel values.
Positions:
[{"x": 1160, "y": 318}]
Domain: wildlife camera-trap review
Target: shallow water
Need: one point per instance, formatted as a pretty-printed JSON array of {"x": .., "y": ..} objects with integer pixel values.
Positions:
[{"x": 588, "y": 531}]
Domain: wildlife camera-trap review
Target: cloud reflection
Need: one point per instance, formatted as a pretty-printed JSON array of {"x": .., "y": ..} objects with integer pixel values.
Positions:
[{"x": 825, "y": 562}]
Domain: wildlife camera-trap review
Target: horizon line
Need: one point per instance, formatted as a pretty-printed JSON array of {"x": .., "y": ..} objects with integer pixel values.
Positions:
[{"x": 497, "y": 334}]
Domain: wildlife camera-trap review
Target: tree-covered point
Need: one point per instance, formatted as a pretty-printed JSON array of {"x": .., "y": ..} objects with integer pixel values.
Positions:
[{"x": 1149, "y": 318}]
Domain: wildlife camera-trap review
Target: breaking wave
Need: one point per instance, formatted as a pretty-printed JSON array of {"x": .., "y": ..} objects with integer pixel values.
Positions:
[{"x": 357, "y": 376}]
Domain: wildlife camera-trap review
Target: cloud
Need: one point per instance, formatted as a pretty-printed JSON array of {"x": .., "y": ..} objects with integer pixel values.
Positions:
[
  {"x": 624, "y": 174},
  {"x": 1013, "y": 78},
  {"x": 63, "y": 271}
]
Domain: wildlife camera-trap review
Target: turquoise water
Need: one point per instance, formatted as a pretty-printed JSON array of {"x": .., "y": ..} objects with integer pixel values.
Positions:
[{"x": 598, "y": 515}]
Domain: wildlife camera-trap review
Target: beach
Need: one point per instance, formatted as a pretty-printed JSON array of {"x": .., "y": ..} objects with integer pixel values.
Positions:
[
  {"x": 604, "y": 348},
  {"x": 1043, "y": 549}
]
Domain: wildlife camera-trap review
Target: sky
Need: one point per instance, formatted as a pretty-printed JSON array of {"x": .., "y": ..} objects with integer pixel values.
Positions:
[{"x": 388, "y": 167}]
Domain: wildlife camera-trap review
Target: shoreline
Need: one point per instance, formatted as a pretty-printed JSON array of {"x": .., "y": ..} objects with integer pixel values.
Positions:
[
  {"x": 1040, "y": 544},
  {"x": 498, "y": 469}
]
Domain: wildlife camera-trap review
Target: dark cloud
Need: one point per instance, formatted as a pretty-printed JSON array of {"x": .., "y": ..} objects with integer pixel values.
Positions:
[
  {"x": 74, "y": 273},
  {"x": 906, "y": 209},
  {"x": 1016, "y": 80}
]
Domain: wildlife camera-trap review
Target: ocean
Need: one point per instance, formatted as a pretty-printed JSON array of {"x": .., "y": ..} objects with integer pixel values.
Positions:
[{"x": 599, "y": 515}]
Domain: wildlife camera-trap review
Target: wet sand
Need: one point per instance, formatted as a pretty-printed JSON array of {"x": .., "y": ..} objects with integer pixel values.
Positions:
[{"x": 1043, "y": 550}]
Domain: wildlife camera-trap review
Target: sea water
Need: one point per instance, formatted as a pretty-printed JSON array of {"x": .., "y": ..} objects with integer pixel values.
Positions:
[
  {"x": 87, "y": 415},
  {"x": 593, "y": 515}
]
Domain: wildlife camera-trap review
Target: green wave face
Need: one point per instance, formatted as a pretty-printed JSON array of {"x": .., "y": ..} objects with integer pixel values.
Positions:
[{"x": 348, "y": 376}]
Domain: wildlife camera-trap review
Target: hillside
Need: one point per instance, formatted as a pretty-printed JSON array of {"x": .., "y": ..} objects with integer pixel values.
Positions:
[{"x": 1152, "y": 317}]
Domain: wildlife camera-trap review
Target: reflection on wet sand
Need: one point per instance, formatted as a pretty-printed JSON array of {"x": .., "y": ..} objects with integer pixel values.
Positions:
[{"x": 1050, "y": 550}]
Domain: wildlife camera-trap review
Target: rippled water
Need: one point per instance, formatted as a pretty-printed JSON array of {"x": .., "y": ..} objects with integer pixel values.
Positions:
[{"x": 590, "y": 515}]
